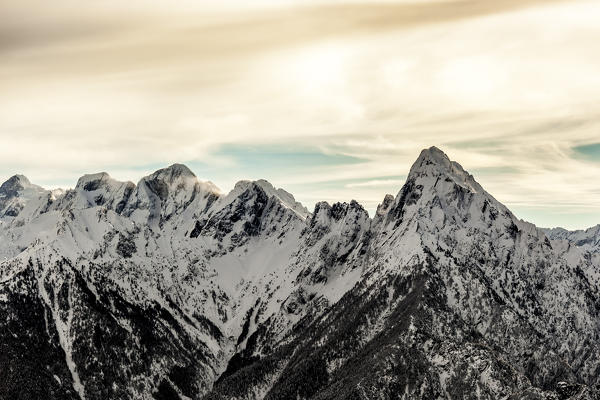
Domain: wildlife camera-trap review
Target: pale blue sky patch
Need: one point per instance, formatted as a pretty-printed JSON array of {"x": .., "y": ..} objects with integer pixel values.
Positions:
[
  {"x": 588, "y": 151},
  {"x": 268, "y": 157}
]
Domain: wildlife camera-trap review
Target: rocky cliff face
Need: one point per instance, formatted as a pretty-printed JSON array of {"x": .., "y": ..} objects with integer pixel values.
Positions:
[{"x": 169, "y": 289}]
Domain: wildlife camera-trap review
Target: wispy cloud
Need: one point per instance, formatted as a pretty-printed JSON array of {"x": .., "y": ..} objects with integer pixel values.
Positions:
[{"x": 377, "y": 183}]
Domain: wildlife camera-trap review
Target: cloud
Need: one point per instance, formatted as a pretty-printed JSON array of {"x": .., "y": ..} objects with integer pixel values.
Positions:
[
  {"x": 377, "y": 183},
  {"x": 293, "y": 93}
]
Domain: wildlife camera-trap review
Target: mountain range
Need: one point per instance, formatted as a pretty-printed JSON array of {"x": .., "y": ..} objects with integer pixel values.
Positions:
[{"x": 170, "y": 289}]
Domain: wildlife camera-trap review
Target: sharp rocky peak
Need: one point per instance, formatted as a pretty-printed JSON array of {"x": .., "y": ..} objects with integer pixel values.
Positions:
[
  {"x": 443, "y": 191},
  {"x": 338, "y": 210},
  {"x": 434, "y": 163},
  {"x": 383, "y": 208}
]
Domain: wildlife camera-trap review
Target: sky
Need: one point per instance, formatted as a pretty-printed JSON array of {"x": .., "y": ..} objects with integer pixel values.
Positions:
[{"x": 330, "y": 100}]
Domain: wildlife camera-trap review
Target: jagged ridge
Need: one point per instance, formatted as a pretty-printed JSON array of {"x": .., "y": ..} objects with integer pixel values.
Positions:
[{"x": 170, "y": 289}]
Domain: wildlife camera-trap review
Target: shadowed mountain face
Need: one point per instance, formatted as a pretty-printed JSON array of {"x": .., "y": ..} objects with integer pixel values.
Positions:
[{"x": 169, "y": 289}]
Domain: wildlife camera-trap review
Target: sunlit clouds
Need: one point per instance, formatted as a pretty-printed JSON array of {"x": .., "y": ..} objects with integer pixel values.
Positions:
[{"x": 330, "y": 100}]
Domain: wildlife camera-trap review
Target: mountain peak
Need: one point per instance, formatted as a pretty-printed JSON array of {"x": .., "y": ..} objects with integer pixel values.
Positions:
[
  {"x": 15, "y": 182},
  {"x": 284, "y": 197},
  {"x": 173, "y": 172},
  {"x": 431, "y": 158},
  {"x": 90, "y": 182},
  {"x": 15, "y": 193},
  {"x": 435, "y": 153},
  {"x": 433, "y": 162},
  {"x": 173, "y": 177},
  {"x": 383, "y": 208}
]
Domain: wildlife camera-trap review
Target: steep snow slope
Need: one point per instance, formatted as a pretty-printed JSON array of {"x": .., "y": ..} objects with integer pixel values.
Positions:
[{"x": 171, "y": 289}]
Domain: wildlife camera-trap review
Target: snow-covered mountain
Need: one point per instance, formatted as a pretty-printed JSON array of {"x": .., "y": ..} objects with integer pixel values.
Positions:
[
  {"x": 588, "y": 239},
  {"x": 170, "y": 289}
]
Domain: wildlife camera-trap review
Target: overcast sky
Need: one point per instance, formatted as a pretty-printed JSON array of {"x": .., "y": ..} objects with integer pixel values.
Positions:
[{"x": 328, "y": 99}]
